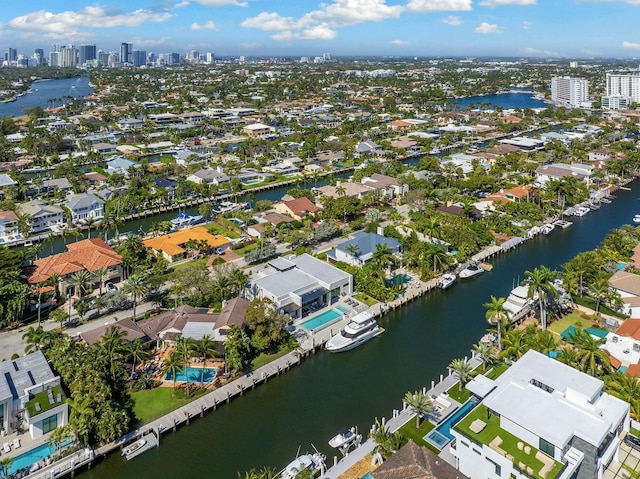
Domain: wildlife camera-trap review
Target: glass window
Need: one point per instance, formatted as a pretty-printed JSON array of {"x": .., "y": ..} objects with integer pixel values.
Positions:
[
  {"x": 49, "y": 423},
  {"x": 547, "y": 447},
  {"x": 496, "y": 466}
]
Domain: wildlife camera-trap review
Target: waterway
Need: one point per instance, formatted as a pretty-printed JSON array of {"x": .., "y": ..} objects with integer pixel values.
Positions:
[
  {"x": 309, "y": 404},
  {"x": 48, "y": 93},
  {"x": 503, "y": 100}
]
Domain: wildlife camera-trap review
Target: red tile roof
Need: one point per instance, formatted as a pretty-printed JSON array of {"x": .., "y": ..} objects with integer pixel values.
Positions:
[
  {"x": 300, "y": 206},
  {"x": 630, "y": 328},
  {"x": 90, "y": 254}
]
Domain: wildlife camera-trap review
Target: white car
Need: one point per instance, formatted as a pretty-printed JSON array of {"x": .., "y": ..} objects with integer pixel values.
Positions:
[{"x": 111, "y": 288}]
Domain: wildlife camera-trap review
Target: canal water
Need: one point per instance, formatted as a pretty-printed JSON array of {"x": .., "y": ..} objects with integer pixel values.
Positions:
[
  {"x": 309, "y": 404},
  {"x": 503, "y": 100},
  {"x": 49, "y": 93}
]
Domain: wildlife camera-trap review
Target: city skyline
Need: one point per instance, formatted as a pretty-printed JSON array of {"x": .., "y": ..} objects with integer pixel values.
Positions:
[{"x": 515, "y": 28}]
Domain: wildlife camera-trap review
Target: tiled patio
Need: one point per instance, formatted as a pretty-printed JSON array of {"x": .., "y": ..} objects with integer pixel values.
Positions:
[{"x": 629, "y": 461}]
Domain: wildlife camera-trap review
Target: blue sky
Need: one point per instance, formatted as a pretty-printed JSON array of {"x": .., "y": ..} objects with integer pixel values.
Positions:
[{"x": 532, "y": 28}]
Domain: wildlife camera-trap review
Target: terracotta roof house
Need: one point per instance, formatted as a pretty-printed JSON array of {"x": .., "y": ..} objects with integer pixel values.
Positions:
[
  {"x": 131, "y": 330},
  {"x": 195, "y": 323},
  {"x": 350, "y": 189},
  {"x": 415, "y": 462},
  {"x": 298, "y": 208},
  {"x": 90, "y": 254},
  {"x": 173, "y": 245}
]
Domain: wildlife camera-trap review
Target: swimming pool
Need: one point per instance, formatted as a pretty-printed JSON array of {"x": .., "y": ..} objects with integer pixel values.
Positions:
[
  {"x": 194, "y": 375},
  {"x": 28, "y": 458},
  {"x": 324, "y": 319},
  {"x": 251, "y": 182},
  {"x": 441, "y": 436}
]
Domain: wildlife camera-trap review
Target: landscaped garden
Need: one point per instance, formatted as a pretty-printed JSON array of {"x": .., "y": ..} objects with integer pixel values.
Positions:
[{"x": 151, "y": 404}]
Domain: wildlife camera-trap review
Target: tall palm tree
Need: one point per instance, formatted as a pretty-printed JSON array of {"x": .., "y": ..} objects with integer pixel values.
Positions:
[
  {"x": 599, "y": 289},
  {"x": 590, "y": 358},
  {"x": 463, "y": 370},
  {"x": 101, "y": 274},
  {"x": 515, "y": 344},
  {"x": 436, "y": 254},
  {"x": 185, "y": 348},
  {"x": 382, "y": 256},
  {"x": 138, "y": 353},
  {"x": 627, "y": 388},
  {"x": 205, "y": 348},
  {"x": 419, "y": 402},
  {"x": 136, "y": 286},
  {"x": 113, "y": 347},
  {"x": 81, "y": 417},
  {"x": 431, "y": 228},
  {"x": 173, "y": 365},
  {"x": 540, "y": 285},
  {"x": 487, "y": 353},
  {"x": 238, "y": 280},
  {"x": 497, "y": 315},
  {"x": 89, "y": 222},
  {"x": 80, "y": 280}
]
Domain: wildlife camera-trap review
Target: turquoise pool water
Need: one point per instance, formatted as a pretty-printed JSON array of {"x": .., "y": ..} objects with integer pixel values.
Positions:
[
  {"x": 622, "y": 369},
  {"x": 600, "y": 333},
  {"x": 324, "y": 319},
  {"x": 194, "y": 375},
  {"x": 367, "y": 476},
  {"x": 28, "y": 458},
  {"x": 441, "y": 435},
  {"x": 251, "y": 182},
  {"x": 398, "y": 279}
]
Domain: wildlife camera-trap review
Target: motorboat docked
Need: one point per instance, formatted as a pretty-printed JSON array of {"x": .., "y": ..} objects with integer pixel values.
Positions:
[
  {"x": 129, "y": 451},
  {"x": 562, "y": 223},
  {"x": 184, "y": 219},
  {"x": 314, "y": 463},
  {"x": 471, "y": 271},
  {"x": 228, "y": 207},
  {"x": 581, "y": 211},
  {"x": 547, "y": 228},
  {"x": 360, "y": 329},
  {"x": 446, "y": 280},
  {"x": 517, "y": 301},
  {"x": 345, "y": 439},
  {"x": 636, "y": 219}
]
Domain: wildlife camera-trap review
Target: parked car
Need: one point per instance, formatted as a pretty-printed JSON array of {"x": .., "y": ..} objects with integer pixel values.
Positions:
[
  {"x": 111, "y": 288},
  {"x": 632, "y": 441}
]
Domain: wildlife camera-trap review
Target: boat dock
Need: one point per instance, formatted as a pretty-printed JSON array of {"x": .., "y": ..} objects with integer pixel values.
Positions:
[{"x": 148, "y": 441}]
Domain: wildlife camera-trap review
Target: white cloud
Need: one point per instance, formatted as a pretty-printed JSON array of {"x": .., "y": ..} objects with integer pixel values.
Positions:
[
  {"x": 91, "y": 16},
  {"x": 526, "y": 25},
  {"x": 182, "y": 4},
  {"x": 630, "y": 2},
  {"x": 423, "y": 6},
  {"x": 400, "y": 42},
  {"x": 221, "y": 3},
  {"x": 499, "y": 3},
  {"x": 627, "y": 44},
  {"x": 319, "y": 32},
  {"x": 453, "y": 20},
  {"x": 205, "y": 26},
  {"x": 270, "y": 21},
  {"x": 485, "y": 27},
  {"x": 534, "y": 52}
]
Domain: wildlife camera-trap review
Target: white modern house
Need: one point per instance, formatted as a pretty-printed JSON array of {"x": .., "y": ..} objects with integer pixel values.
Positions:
[
  {"x": 540, "y": 418},
  {"x": 8, "y": 226},
  {"x": 31, "y": 398},
  {"x": 297, "y": 284},
  {"x": 360, "y": 248}
]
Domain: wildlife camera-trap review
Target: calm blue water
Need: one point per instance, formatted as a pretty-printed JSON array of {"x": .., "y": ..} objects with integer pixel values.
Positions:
[
  {"x": 321, "y": 320},
  {"x": 48, "y": 90},
  {"x": 194, "y": 375},
  {"x": 504, "y": 101}
]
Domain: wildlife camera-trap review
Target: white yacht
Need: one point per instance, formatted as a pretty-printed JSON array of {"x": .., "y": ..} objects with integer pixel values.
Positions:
[
  {"x": 547, "y": 228},
  {"x": 636, "y": 219},
  {"x": 446, "y": 280},
  {"x": 518, "y": 300},
  {"x": 471, "y": 271},
  {"x": 581, "y": 211},
  {"x": 184, "y": 219},
  {"x": 360, "y": 329},
  {"x": 315, "y": 463}
]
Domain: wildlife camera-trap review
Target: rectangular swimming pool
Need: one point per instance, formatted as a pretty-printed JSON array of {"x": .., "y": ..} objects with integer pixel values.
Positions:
[
  {"x": 441, "y": 436},
  {"x": 27, "y": 459},
  {"x": 325, "y": 319},
  {"x": 194, "y": 375}
]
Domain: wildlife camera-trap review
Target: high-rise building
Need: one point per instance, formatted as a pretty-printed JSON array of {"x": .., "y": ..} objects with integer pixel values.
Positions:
[
  {"x": 38, "y": 54},
  {"x": 112, "y": 59},
  {"x": 87, "y": 53},
  {"x": 69, "y": 56},
  {"x": 12, "y": 55},
  {"x": 125, "y": 52},
  {"x": 138, "y": 58},
  {"x": 54, "y": 59},
  {"x": 55, "y": 47},
  {"x": 211, "y": 58},
  {"x": 622, "y": 90},
  {"x": 102, "y": 57},
  {"x": 569, "y": 91}
]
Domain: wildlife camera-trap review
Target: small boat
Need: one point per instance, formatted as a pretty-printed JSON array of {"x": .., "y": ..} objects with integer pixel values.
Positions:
[
  {"x": 636, "y": 219},
  {"x": 345, "y": 439},
  {"x": 562, "y": 223},
  {"x": 547, "y": 228},
  {"x": 184, "y": 219},
  {"x": 360, "y": 329},
  {"x": 446, "y": 280},
  {"x": 132, "y": 448},
  {"x": 471, "y": 271},
  {"x": 314, "y": 463},
  {"x": 605, "y": 200},
  {"x": 581, "y": 211}
]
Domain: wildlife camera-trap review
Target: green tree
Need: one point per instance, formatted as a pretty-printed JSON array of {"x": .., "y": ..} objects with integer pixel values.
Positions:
[
  {"x": 265, "y": 323},
  {"x": 173, "y": 365},
  {"x": 5, "y": 465},
  {"x": 137, "y": 352},
  {"x": 238, "y": 350},
  {"x": 463, "y": 370},
  {"x": 540, "y": 286},
  {"x": 627, "y": 388},
  {"x": 419, "y": 402},
  {"x": 205, "y": 348},
  {"x": 590, "y": 358},
  {"x": 80, "y": 280},
  {"x": 136, "y": 286},
  {"x": 497, "y": 315}
]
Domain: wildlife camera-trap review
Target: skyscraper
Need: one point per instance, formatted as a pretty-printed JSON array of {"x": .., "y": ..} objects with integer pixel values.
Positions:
[
  {"x": 38, "y": 54},
  {"x": 54, "y": 59},
  {"x": 69, "y": 56},
  {"x": 570, "y": 91},
  {"x": 87, "y": 53},
  {"x": 12, "y": 54},
  {"x": 138, "y": 58},
  {"x": 125, "y": 52}
]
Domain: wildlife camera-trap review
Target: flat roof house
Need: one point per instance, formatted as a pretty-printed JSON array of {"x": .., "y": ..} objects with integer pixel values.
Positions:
[
  {"x": 540, "y": 419},
  {"x": 31, "y": 397},
  {"x": 296, "y": 283},
  {"x": 360, "y": 248}
]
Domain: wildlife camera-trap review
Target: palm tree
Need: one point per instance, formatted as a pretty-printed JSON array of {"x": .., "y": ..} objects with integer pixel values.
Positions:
[
  {"x": 237, "y": 281},
  {"x": 101, "y": 274},
  {"x": 463, "y": 370},
  {"x": 5, "y": 465},
  {"x": 138, "y": 353},
  {"x": 436, "y": 254},
  {"x": 80, "y": 280},
  {"x": 419, "y": 402},
  {"x": 382, "y": 437},
  {"x": 431, "y": 228},
  {"x": 497, "y": 315},
  {"x": 599, "y": 288},
  {"x": 81, "y": 417},
  {"x": 173, "y": 365},
  {"x": 487, "y": 353},
  {"x": 354, "y": 250},
  {"x": 515, "y": 344},
  {"x": 341, "y": 190},
  {"x": 540, "y": 285},
  {"x": 382, "y": 256},
  {"x": 113, "y": 349},
  {"x": 627, "y": 388},
  {"x": 89, "y": 222},
  {"x": 205, "y": 348},
  {"x": 136, "y": 286},
  {"x": 185, "y": 348},
  {"x": 590, "y": 358}
]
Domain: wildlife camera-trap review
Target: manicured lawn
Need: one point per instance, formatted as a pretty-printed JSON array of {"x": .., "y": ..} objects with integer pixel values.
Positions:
[
  {"x": 497, "y": 370},
  {"x": 572, "y": 319},
  {"x": 410, "y": 432},
  {"x": 589, "y": 302},
  {"x": 189, "y": 264},
  {"x": 509, "y": 442},
  {"x": 245, "y": 249},
  {"x": 267, "y": 358},
  {"x": 151, "y": 404},
  {"x": 460, "y": 396},
  {"x": 363, "y": 298}
]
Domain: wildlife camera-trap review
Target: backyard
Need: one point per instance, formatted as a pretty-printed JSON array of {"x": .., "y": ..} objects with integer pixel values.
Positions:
[{"x": 151, "y": 404}]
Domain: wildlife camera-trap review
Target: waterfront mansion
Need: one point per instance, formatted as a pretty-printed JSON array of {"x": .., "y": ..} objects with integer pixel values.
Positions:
[{"x": 539, "y": 419}]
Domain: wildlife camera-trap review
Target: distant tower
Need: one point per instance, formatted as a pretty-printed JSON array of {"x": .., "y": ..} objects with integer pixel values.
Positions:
[
  {"x": 38, "y": 54},
  {"x": 87, "y": 53},
  {"x": 125, "y": 52}
]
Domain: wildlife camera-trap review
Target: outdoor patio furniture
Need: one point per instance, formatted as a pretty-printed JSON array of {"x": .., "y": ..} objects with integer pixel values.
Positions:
[
  {"x": 6, "y": 447},
  {"x": 16, "y": 443}
]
